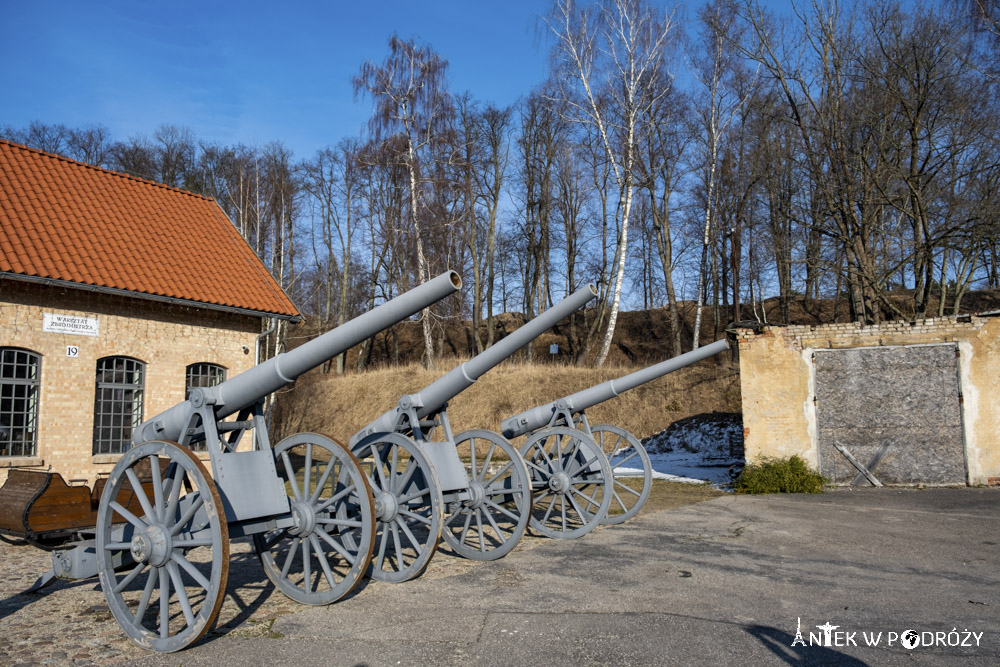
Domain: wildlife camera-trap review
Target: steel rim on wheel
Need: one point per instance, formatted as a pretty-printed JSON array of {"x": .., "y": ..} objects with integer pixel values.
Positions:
[
  {"x": 570, "y": 479},
  {"x": 408, "y": 505},
  {"x": 632, "y": 472},
  {"x": 494, "y": 516},
  {"x": 173, "y": 561},
  {"x": 326, "y": 551}
]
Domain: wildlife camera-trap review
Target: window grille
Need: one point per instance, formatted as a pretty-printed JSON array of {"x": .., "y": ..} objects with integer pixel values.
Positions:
[
  {"x": 20, "y": 383},
  {"x": 203, "y": 375},
  {"x": 117, "y": 403}
]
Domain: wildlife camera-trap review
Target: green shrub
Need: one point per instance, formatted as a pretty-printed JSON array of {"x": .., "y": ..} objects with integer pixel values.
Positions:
[{"x": 774, "y": 475}]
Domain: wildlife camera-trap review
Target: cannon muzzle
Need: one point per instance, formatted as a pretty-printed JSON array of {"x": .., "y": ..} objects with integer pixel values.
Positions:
[
  {"x": 536, "y": 418},
  {"x": 253, "y": 385},
  {"x": 437, "y": 394}
]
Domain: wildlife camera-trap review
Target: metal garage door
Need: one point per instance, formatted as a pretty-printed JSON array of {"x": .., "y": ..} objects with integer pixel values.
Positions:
[{"x": 896, "y": 410}]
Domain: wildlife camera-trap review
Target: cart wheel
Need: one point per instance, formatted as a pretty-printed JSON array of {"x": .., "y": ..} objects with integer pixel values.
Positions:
[
  {"x": 631, "y": 469},
  {"x": 179, "y": 548},
  {"x": 324, "y": 554},
  {"x": 490, "y": 522},
  {"x": 408, "y": 505},
  {"x": 570, "y": 478}
]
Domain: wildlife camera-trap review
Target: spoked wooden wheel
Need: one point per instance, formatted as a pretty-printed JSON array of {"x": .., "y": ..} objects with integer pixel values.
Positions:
[
  {"x": 490, "y": 522},
  {"x": 325, "y": 553},
  {"x": 631, "y": 469},
  {"x": 408, "y": 505},
  {"x": 571, "y": 482},
  {"x": 174, "y": 559}
]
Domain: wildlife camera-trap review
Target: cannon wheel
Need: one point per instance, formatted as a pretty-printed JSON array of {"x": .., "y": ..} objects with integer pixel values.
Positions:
[
  {"x": 181, "y": 544},
  {"x": 571, "y": 479},
  {"x": 327, "y": 550},
  {"x": 624, "y": 452},
  {"x": 490, "y": 523},
  {"x": 408, "y": 505}
]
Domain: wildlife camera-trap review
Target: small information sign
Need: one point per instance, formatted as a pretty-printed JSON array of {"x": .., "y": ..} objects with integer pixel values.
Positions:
[{"x": 70, "y": 324}]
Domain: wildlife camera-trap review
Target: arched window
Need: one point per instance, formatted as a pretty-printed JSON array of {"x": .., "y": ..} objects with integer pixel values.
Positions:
[
  {"x": 117, "y": 403},
  {"x": 203, "y": 374},
  {"x": 20, "y": 382}
]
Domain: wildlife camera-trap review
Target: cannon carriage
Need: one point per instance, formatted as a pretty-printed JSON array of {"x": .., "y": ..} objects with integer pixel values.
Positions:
[
  {"x": 573, "y": 493},
  {"x": 423, "y": 489},
  {"x": 163, "y": 561}
]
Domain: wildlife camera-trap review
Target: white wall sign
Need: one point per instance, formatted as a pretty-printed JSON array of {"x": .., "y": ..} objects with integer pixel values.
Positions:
[
  {"x": 72, "y": 351},
  {"x": 70, "y": 324}
]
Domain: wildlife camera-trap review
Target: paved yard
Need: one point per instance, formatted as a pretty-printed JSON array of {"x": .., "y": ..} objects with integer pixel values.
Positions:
[{"x": 722, "y": 582}]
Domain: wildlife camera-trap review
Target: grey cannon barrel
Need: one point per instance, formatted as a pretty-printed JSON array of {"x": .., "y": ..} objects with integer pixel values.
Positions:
[
  {"x": 435, "y": 395},
  {"x": 536, "y": 418},
  {"x": 251, "y": 386}
]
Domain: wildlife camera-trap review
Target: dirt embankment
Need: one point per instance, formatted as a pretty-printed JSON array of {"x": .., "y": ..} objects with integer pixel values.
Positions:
[{"x": 340, "y": 405}]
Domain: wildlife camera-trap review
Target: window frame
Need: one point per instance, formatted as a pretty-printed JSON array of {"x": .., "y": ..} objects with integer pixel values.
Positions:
[
  {"x": 31, "y": 396},
  {"x": 111, "y": 438},
  {"x": 218, "y": 370}
]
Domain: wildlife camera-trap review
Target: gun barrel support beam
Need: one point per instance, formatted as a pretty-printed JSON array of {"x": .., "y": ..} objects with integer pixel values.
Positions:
[
  {"x": 249, "y": 387},
  {"x": 434, "y": 396},
  {"x": 536, "y": 418}
]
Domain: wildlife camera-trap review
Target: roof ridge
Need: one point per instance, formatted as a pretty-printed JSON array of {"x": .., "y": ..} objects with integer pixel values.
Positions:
[{"x": 120, "y": 174}]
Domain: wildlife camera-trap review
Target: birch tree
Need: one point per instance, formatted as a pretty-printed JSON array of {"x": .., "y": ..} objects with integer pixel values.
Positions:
[{"x": 604, "y": 58}]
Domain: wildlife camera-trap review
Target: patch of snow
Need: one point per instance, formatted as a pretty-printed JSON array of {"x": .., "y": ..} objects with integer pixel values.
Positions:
[{"x": 703, "y": 448}]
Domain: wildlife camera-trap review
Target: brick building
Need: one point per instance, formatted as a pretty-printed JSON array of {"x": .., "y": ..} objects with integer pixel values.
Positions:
[
  {"x": 913, "y": 403},
  {"x": 116, "y": 295}
]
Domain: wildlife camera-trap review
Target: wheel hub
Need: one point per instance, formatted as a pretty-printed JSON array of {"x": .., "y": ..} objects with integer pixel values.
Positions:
[
  {"x": 303, "y": 519},
  {"x": 477, "y": 494},
  {"x": 386, "y": 506},
  {"x": 559, "y": 482},
  {"x": 152, "y": 546}
]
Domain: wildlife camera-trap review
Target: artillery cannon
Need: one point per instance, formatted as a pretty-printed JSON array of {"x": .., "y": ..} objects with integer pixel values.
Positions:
[
  {"x": 571, "y": 495},
  {"x": 422, "y": 488},
  {"x": 311, "y": 516}
]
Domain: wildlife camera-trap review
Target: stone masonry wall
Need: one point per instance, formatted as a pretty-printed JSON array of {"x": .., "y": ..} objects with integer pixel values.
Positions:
[
  {"x": 776, "y": 373},
  {"x": 167, "y": 338}
]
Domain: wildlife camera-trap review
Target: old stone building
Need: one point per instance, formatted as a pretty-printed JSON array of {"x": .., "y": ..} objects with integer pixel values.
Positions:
[
  {"x": 116, "y": 295},
  {"x": 906, "y": 403}
]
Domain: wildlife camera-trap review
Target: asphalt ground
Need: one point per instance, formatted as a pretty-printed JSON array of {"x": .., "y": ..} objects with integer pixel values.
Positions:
[{"x": 723, "y": 582}]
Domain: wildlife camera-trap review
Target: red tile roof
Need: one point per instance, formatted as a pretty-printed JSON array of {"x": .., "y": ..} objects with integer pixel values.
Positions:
[{"x": 65, "y": 220}]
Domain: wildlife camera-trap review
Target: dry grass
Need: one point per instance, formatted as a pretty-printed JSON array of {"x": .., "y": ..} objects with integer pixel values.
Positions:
[{"x": 339, "y": 406}]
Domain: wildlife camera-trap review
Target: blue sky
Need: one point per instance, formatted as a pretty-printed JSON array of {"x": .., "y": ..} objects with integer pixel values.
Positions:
[{"x": 247, "y": 72}]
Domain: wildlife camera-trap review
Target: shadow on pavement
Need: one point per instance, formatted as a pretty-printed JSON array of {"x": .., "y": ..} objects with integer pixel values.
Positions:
[{"x": 779, "y": 643}]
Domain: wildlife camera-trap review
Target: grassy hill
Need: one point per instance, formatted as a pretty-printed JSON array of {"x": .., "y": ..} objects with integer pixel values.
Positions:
[{"x": 339, "y": 405}]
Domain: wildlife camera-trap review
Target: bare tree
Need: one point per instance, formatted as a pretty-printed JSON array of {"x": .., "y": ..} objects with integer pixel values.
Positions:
[
  {"x": 541, "y": 130},
  {"x": 410, "y": 99},
  {"x": 332, "y": 180},
  {"x": 721, "y": 103},
  {"x": 605, "y": 60},
  {"x": 662, "y": 167},
  {"x": 174, "y": 149},
  {"x": 90, "y": 144},
  {"x": 494, "y": 150}
]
